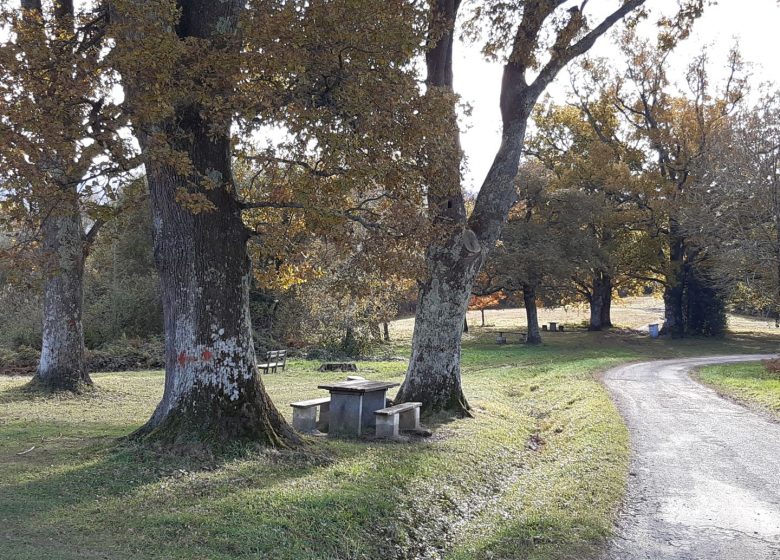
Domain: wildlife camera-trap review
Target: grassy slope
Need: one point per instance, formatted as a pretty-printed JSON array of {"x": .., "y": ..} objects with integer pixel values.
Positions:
[
  {"x": 748, "y": 383},
  {"x": 536, "y": 474}
]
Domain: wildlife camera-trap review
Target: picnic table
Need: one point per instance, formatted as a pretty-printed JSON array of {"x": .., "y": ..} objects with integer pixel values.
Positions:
[{"x": 353, "y": 404}]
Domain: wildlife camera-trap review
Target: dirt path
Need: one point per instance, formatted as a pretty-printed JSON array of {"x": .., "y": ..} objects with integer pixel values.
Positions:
[{"x": 705, "y": 472}]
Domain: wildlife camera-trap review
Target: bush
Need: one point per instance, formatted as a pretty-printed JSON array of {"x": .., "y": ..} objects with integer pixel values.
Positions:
[
  {"x": 127, "y": 354},
  {"x": 705, "y": 306},
  {"x": 22, "y": 361}
]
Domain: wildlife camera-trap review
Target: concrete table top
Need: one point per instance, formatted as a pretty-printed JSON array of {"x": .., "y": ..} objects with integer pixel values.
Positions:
[{"x": 358, "y": 386}]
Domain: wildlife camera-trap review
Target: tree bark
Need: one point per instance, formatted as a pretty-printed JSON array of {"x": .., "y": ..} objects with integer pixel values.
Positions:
[
  {"x": 62, "y": 364},
  {"x": 482, "y": 312},
  {"x": 433, "y": 376},
  {"x": 600, "y": 302},
  {"x": 534, "y": 336},
  {"x": 213, "y": 392},
  {"x": 674, "y": 289},
  {"x": 606, "y": 308},
  {"x": 386, "y": 328}
]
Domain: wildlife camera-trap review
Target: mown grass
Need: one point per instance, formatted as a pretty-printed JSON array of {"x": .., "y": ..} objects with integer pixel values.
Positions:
[
  {"x": 748, "y": 383},
  {"x": 537, "y": 473}
]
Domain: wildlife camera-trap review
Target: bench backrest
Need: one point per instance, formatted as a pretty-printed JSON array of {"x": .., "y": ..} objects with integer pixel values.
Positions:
[{"x": 276, "y": 355}]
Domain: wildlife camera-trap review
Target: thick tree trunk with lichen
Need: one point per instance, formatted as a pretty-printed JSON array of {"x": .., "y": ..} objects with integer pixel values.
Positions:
[
  {"x": 62, "y": 364},
  {"x": 433, "y": 376},
  {"x": 532, "y": 318},
  {"x": 213, "y": 391}
]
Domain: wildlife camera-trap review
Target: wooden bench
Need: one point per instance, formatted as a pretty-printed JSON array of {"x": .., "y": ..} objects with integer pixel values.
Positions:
[
  {"x": 273, "y": 360},
  {"x": 404, "y": 416},
  {"x": 305, "y": 415}
]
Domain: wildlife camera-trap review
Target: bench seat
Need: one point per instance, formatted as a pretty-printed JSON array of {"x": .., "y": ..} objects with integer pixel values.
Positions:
[
  {"x": 305, "y": 415},
  {"x": 404, "y": 416}
]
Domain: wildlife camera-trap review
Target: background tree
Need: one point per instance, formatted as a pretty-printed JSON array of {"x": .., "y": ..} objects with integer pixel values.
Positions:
[
  {"x": 734, "y": 208},
  {"x": 537, "y": 245},
  {"x": 601, "y": 176},
  {"x": 480, "y": 301},
  {"x": 678, "y": 129},
  {"x": 59, "y": 140}
]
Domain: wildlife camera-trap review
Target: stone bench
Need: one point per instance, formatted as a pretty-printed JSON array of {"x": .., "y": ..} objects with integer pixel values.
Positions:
[
  {"x": 404, "y": 416},
  {"x": 305, "y": 415}
]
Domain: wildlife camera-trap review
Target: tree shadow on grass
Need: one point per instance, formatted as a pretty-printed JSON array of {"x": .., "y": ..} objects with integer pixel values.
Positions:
[
  {"x": 32, "y": 393},
  {"x": 83, "y": 496}
]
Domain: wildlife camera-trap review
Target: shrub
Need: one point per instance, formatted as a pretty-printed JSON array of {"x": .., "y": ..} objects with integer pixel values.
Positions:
[
  {"x": 127, "y": 354},
  {"x": 22, "y": 361}
]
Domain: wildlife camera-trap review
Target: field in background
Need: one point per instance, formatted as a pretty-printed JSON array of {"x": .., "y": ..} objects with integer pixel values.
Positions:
[{"x": 634, "y": 313}]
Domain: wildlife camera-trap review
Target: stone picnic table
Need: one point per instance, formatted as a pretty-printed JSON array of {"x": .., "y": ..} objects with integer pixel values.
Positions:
[{"x": 353, "y": 403}]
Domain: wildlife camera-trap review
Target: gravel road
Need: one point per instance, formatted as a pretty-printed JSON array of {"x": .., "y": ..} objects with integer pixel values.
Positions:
[{"x": 704, "y": 482}]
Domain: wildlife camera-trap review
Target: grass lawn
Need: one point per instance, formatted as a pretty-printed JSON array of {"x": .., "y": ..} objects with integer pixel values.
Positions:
[
  {"x": 747, "y": 383},
  {"x": 537, "y": 473}
]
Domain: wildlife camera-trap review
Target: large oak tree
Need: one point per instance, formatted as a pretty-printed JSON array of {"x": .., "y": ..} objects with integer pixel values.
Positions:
[{"x": 207, "y": 83}]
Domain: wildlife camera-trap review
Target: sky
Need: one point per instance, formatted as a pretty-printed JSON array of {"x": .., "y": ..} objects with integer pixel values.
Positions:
[{"x": 753, "y": 23}]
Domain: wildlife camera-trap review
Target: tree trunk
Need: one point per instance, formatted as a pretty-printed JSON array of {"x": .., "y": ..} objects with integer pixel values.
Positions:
[
  {"x": 482, "y": 312},
  {"x": 606, "y": 308},
  {"x": 674, "y": 290},
  {"x": 433, "y": 376},
  {"x": 534, "y": 336},
  {"x": 376, "y": 333},
  {"x": 596, "y": 304},
  {"x": 62, "y": 364},
  {"x": 386, "y": 328},
  {"x": 213, "y": 392},
  {"x": 600, "y": 302},
  {"x": 465, "y": 324}
]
